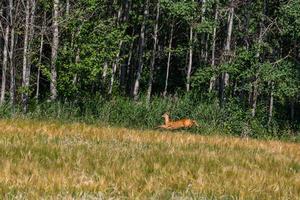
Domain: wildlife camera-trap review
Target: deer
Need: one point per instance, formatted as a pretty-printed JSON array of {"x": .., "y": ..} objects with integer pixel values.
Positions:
[{"x": 182, "y": 123}]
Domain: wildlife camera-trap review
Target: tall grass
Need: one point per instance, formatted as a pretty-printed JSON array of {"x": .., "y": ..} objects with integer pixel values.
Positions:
[
  {"x": 119, "y": 111},
  {"x": 51, "y": 160}
]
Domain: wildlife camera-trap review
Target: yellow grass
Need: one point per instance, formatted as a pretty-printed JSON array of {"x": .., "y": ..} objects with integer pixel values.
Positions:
[{"x": 63, "y": 161}]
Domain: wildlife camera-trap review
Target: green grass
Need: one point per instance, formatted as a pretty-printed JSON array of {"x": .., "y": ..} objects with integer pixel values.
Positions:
[{"x": 76, "y": 160}]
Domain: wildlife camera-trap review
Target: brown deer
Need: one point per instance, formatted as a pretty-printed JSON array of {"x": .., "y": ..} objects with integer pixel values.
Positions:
[{"x": 183, "y": 123}]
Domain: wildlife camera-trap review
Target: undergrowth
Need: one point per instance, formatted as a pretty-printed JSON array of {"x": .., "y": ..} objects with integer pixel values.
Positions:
[{"x": 119, "y": 111}]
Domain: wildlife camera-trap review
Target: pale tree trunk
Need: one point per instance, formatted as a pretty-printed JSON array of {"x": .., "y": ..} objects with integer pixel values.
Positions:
[
  {"x": 203, "y": 35},
  {"x": 256, "y": 78},
  {"x": 30, "y": 41},
  {"x": 141, "y": 53},
  {"x": 25, "y": 56},
  {"x": 67, "y": 8},
  {"x": 271, "y": 104},
  {"x": 124, "y": 67},
  {"x": 40, "y": 58},
  {"x": 11, "y": 56},
  {"x": 77, "y": 60},
  {"x": 114, "y": 69},
  {"x": 169, "y": 59},
  {"x": 189, "y": 68},
  {"x": 225, "y": 75},
  {"x": 150, "y": 82},
  {"x": 129, "y": 67},
  {"x": 12, "y": 88},
  {"x": 29, "y": 52},
  {"x": 117, "y": 59},
  {"x": 213, "y": 52},
  {"x": 206, "y": 49},
  {"x": 104, "y": 74},
  {"x": 4, "y": 66},
  {"x": 55, "y": 40}
]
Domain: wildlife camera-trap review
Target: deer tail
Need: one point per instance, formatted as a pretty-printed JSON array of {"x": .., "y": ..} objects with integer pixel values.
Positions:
[{"x": 195, "y": 122}]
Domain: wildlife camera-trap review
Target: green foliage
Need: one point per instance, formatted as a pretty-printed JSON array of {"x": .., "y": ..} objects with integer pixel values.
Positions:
[
  {"x": 290, "y": 18},
  {"x": 232, "y": 119}
]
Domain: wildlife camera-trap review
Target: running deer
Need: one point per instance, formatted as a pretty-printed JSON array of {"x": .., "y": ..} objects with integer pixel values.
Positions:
[{"x": 183, "y": 123}]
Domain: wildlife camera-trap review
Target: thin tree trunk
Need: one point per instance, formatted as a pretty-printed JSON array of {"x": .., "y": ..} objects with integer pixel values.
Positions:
[
  {"x": 67, "y": 8},
  {"x": 189, "y": 69},
  {"x": 254, "y": 96},
  {"x": 150, "y": 82},
  {"x": 169, "y": 59},
  {"x": 25, "y": 56},
  {"x": 104, "y": 74},
  {"x": 225, "y": 75},
  {"x": 77, "y": 60},
  {"x": 125, "y": 75},
  {"x": 114, "y": 68},
  {"x": 55, "y": 41},
  {"x": 4, "y": 66},
  {"x": 292, "y": 107},
  {"x": 11, "y": 55},
  {"x": 12, "y": 88},
  {"x": 256, "y": 78},
  {"x": 203, "y": 35},
  {"x": 206, "y": 49},
  {"x": 213, "y": 52},
  {"x": 129, "y": 72},
  {"x": 40, "y": 59},
  {"x": 141, "y": 53},
  {"x": 29, "y": 52},
  {"x": 271, "y": 104},
  {"x": 116, "y": 61}
]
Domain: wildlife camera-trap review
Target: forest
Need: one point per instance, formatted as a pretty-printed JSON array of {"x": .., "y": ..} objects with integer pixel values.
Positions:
[{"x": 231, "y": 64}]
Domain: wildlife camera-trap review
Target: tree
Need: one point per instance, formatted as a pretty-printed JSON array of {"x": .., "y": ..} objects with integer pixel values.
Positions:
[
  {"x": 152, "y": 65},
  {"x": 138, "y": 74},
  {"x": 55, "y": 41}
]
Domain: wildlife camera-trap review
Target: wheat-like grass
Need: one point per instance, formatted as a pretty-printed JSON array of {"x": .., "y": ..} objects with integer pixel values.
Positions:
[{"x": 55, "y": 160}]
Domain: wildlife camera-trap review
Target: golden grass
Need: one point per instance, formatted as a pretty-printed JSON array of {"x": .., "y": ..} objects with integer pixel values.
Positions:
[{"x": 77, "y": 161}]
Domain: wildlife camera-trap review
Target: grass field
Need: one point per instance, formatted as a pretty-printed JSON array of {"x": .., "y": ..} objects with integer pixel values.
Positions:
[{"x": 57, "y": 160}]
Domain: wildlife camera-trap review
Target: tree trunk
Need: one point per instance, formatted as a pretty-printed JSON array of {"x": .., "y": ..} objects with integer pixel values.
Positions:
[
  {"x": 77, "y": 60},
  {"x": 25, "y": 56},
  {"x": 55, "y": 40},
  {"x": 29, "y": 53},
  {"x": 256, "y": 78},
  {"x": 225, "y": 75},
  {"x": 40, "y": 58},
  {"x": 169, "y": 59},
  {"x": 4, "y": 66},
  {"x": 203, "y": 35},
  {"x": 12, "y": 87},
  {"x": 150, "y": 82},
  {"x": 67, "y": 8},
  {"x": 292, "y": 107},
  {"x": 189, "y": 69},
  {"x": 114, "y": 69},
  {"x": 254, "y": 95},
  {"x": 213, "y": 52},
  {"x": 141, "y": 53},
  {"x": 129, "y": 72},
  {"x": 271, "y": 104},
  {"x": 104, "y": 74}
]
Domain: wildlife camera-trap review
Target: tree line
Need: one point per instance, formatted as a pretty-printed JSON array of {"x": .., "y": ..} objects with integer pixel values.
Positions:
[{"x": 231, "y": 50}]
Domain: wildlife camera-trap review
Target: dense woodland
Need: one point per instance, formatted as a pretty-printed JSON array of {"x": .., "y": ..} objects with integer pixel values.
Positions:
[{"x": 239, "y": 56}]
